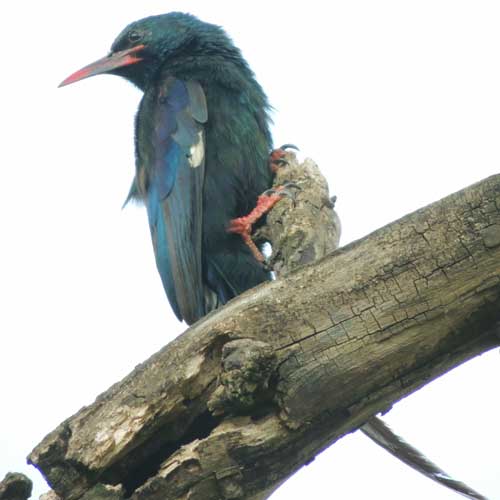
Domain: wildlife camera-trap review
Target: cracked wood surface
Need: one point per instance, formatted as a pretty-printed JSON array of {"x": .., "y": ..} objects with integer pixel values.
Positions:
[{"x": 351, "y": 334}]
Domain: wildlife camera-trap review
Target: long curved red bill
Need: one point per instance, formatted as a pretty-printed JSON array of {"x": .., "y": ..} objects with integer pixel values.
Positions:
[{"x": 106, "y": 64}]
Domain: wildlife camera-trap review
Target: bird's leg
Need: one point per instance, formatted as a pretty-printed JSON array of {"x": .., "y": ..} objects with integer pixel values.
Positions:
[
  {"x": 243, "y": 225},
  {"x": 266, "y": 201},
  {"x": 277, "y": 157}
]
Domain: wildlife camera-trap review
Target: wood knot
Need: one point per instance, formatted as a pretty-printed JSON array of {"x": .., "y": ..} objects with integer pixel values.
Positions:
[
  {"x": 491, "y": 236},
  {"x": 243, "y": 383}
]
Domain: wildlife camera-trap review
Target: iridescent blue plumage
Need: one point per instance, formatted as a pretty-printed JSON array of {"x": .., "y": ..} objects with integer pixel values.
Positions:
[
  {"x": 202, "y": 144},
  {"x": 170, "y": 176}
]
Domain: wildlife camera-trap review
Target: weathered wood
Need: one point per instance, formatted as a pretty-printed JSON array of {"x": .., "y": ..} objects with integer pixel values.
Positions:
[
  {"x": 305, "y": 227},
  {"x": 15, "y": 486},
  {"x": 305, "y": 231},
  {"x": 340, "y": 340}
]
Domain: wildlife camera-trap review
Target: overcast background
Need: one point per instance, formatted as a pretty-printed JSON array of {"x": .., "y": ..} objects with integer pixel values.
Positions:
[{"x": 399, "y": 104}]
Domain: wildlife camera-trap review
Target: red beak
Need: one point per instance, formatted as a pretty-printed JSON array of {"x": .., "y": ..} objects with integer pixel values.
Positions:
[{"x": 106, "y": 64}]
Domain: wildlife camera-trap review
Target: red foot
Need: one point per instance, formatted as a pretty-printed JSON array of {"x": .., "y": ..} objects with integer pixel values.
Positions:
[
  {"x": 276, "y": 159},
  {"x": 243, "y": 225}
]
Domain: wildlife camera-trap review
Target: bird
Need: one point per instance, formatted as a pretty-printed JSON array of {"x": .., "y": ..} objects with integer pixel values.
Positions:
[
  {"x": 202, "y": 145},
  {"x": 202, "y": 149}
]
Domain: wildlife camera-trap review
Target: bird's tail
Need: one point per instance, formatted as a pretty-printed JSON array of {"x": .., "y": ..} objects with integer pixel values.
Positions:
[{"x": 379, "y": 432}]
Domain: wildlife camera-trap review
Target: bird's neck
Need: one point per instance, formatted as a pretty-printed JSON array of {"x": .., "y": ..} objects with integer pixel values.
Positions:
[{"x": 210, "y": 70}]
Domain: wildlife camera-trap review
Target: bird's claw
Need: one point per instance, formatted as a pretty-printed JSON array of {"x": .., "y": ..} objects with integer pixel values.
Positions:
[
  {"x": 288, "y": 146},
  {"x": 281, "y": 162},
  {"x": 284, "y": 190},
  {"x": 277, "y": 156},
  {"x": 289, "y": 184}
]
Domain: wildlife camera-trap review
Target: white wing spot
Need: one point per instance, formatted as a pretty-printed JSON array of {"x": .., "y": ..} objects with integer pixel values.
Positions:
[{"x": 197, "y": 151}]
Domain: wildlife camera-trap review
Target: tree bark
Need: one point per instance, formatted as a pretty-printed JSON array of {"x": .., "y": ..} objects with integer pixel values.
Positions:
[
  {"x": 252, "y": 392},
  {"x": 15, "y": 486}
]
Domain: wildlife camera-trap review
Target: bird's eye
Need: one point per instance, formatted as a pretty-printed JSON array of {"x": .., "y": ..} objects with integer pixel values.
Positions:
[{"x": 134, "y": 36}]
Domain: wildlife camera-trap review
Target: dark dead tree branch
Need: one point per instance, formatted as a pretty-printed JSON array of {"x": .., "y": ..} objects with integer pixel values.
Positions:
[{"x": 245, "y": 397}]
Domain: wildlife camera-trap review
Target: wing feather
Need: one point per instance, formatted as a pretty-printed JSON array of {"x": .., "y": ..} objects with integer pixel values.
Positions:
[{"x": 174, "y": 196}]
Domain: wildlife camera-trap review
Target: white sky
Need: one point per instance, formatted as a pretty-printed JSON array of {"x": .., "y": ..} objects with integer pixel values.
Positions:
[{"x": 398, "y": 102}]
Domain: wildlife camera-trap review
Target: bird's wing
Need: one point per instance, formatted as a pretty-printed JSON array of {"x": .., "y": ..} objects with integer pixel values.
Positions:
[{"x": 174, "y": 195}]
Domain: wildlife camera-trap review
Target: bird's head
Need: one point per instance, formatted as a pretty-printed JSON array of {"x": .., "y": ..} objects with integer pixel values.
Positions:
[{"x": 145, "y": 45}]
